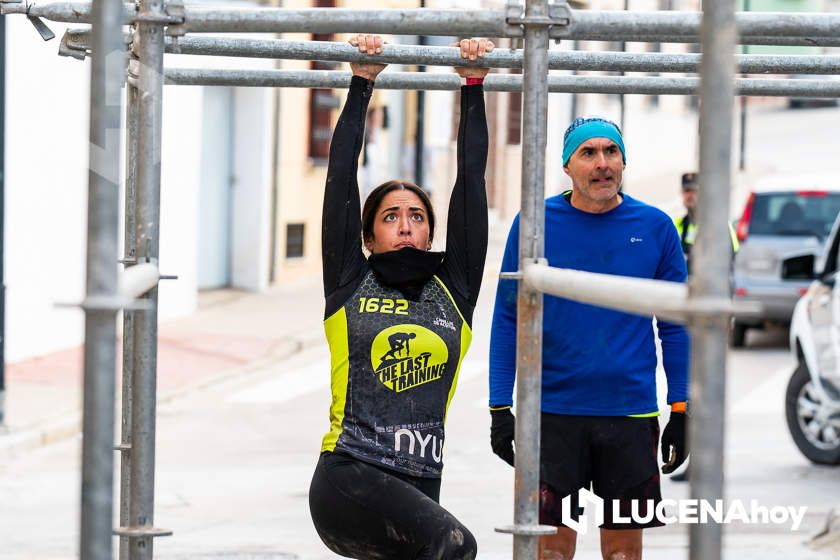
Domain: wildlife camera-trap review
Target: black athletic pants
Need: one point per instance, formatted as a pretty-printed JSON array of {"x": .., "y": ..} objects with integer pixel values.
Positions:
[{"x": 362, "y": 511}]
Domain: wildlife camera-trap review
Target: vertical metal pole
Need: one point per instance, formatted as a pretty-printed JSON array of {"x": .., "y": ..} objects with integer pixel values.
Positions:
[
  {"x": 275, "y": 167},
  {"x": 742, "y": 144},
  {"x": 574, "y": 104},
  {"x": 130, "y": 256},
  {"x": 742, "y": 159},
  {"x": 275, "y": 182},
  {"x": 711, "y": 277},
  {"x": 530, "y": 302},
  {"x": 621, "y": 98},
  {"x": 150, "y": 43},
  {"x": 420, "y": 132},
  {"x": 2, "y": 220},
  {"x": 108, "y": 65}
]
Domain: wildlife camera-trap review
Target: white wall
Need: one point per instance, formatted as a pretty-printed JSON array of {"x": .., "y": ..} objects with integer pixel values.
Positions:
[
  {"x": 46, "y": 191},
  {"x": 252, "y": 187},
  {"x": 180, "y": 175},
  {"x": 47, "y": 108}
]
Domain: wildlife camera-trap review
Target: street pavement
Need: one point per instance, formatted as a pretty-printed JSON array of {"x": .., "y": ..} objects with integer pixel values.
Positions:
[{"x": 243, "y": 403}]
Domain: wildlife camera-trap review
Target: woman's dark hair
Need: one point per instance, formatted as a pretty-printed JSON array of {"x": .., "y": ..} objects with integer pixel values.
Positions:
[{"x": 374, "y": 200}]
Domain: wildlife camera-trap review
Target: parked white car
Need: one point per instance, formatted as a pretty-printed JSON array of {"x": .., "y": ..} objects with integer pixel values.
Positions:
[{"x": 812, "y": 400}]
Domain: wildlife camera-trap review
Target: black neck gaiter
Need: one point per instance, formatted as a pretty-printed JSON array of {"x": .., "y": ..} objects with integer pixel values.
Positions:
[{"x": 406, "y": 270}]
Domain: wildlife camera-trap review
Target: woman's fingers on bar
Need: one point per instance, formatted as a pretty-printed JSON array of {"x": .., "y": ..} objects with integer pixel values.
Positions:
[{"x": 475, "y": 48}]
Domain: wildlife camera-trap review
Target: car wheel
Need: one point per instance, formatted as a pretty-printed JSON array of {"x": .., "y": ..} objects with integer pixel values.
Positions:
[
  {"x": 737, "y": 335},
  {"x": 814, "y": 431}
]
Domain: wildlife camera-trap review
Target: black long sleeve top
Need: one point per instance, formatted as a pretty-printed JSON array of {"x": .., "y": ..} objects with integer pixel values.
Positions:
[{"x": 461, "y": 266}]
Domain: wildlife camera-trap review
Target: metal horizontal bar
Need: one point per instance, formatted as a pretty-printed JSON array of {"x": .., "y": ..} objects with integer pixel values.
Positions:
[
  {"x": 137, "y": 280},
  {"x": 67, "y": 12},
  {"x": 666, "y": 300},
  {"x": 778, "y": 40},
  {"x": 533, "y": 530},
  {"x": 618, "y": 25},
  {"x": 500, "y": 58},
  {"x": 108, "y": 303},
  {"x": 76, "y": 42},
  {"x": 496, "y": 82},
  {"x": 665, "y": 26}
]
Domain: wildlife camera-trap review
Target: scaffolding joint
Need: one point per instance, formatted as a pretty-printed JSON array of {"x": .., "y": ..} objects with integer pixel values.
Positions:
[
  {"x": 74, "y": 45},
  {"x": 142, "y": 532},
  {"x": 176, "y": 10},
  {"x": 559, "y": 17},
  {"x": 163, "y": 19}
]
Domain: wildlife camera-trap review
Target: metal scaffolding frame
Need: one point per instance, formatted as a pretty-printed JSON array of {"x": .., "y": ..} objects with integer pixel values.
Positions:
[
  {"x": 563, "y": 22},
  {"x": 495, "y": 82},
  {"x": 158, "y": 27}
]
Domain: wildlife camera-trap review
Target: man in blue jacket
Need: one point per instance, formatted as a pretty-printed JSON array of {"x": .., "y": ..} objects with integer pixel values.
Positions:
[{"x": 599, "y": 407}]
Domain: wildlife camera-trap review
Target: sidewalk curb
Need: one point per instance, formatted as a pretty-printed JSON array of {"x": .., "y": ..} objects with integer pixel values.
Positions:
[{"x": 58, "y": 429}]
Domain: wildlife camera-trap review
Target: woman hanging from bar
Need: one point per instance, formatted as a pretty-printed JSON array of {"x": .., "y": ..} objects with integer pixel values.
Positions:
[{"x": 398, "y": 326}]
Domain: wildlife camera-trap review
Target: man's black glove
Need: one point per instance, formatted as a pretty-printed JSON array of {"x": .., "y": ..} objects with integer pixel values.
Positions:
[
  {"x": 674, "y": 442},
  {"x": 502, "y": 428}
]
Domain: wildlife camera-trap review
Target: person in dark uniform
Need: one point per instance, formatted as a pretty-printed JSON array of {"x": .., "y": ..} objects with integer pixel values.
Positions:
[
  {"x": 687, "y": 230},
  {"x": 687, "y": 224},
  {"x": 375, "y": 491}
]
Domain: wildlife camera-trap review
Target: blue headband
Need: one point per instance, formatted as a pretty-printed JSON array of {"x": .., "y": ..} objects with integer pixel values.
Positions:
[{"x": 582, "y": 130}]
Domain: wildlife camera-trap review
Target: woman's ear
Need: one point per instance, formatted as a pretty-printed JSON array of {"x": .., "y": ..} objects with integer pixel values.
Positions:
[{"x": 369, "y": 245}]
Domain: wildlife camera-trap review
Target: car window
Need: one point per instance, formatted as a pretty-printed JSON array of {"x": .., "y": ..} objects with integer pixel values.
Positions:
[{"x": 794, "y": 213}]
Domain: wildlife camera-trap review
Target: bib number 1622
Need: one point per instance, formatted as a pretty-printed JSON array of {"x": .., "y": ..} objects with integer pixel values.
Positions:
[{"x": 383, "y": 305}]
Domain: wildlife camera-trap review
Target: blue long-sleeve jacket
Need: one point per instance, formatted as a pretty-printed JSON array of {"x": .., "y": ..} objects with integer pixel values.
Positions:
[{"x": 596, "y": 361}]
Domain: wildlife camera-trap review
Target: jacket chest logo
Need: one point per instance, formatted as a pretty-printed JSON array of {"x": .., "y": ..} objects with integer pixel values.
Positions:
[{"x": 405, "y": 356}]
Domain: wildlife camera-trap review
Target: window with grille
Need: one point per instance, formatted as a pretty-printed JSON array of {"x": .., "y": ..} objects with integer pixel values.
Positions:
[
  {"x": 322, "y": 102},
  {"x": 294, "y": 240},
  {"x": 514, "y": 115}
]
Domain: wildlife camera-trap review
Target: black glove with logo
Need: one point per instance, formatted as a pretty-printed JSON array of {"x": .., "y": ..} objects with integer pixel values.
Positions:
[
  {"x": 502, "y": 429},
  {"x": 674, "y": 442}
]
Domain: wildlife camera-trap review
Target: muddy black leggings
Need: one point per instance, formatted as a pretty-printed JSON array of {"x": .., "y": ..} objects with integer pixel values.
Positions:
[{"x": 361, "y": 511}]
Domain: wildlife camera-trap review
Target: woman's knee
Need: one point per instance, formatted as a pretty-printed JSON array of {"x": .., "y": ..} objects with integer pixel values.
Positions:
[{"x": 454, "y": 542}]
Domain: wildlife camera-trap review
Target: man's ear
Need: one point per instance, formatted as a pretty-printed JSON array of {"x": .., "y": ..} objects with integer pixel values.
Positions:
[{"x": 566, "y": 170}]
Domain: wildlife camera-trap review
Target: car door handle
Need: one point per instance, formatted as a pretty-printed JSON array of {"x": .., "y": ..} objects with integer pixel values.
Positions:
[{"x": 824, "y": 300}]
